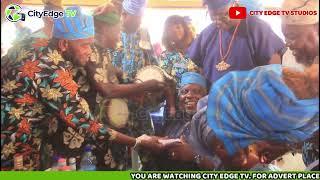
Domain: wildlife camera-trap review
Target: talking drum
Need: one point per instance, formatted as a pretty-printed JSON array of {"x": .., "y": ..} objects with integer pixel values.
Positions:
[
  {"x": 117, "y": 112},
  {"x": 152, "y": 72}
]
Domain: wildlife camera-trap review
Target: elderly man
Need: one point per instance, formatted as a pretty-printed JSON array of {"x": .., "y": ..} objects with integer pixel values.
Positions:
[
  {"x": 135, "y": 49},
  {"x": 302, "y": 37},
  {"x": 302, "y": 32},
  {"x": 193, "y": 87},
  {"x": 253, "y": 117},
  {"x": 232, "y": 44},
  {"x": 41, "y": 102}
]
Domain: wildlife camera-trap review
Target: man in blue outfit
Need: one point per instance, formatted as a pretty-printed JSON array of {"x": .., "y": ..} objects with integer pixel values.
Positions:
[{"x": 233, "y": 44}]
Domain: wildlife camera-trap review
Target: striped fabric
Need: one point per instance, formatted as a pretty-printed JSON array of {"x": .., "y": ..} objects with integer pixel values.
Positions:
[
  {"x": 74, "y": 28},
  {"x": 193, "y": 78},
  {"x": 134, "y": 7},
  {"x": 247, "y": 106}
]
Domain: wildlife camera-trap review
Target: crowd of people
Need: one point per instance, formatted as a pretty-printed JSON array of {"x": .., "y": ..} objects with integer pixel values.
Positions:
[{"x": 228, "y": 102}]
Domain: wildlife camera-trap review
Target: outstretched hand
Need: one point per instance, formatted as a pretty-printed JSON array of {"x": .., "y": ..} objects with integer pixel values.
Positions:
[{"x": 151, "y": 143}]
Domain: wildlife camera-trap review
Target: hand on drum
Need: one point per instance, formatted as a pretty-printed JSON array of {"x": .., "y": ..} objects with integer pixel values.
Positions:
[{"x": 153, "y": 85}]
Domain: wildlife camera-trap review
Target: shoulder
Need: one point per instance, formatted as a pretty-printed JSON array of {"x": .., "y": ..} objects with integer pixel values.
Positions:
[
  {"x": 205, "y": 36},
  {"x": 18, "y": 52},
  {"x": 53, "y": 59},
  {"x": 257, "y": 24},
  {"x": 207, "y": 31}
]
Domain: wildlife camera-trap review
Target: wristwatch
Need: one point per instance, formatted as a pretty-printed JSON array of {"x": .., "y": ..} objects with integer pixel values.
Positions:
[{"x": 197, "y": 159}]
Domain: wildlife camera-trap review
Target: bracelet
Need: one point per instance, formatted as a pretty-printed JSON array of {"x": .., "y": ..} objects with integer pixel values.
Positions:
[
  {"x": 138, "y": 142},
  {"x": 197, "y": 159}
]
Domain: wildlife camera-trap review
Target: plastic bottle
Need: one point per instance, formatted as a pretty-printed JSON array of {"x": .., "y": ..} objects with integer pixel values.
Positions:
[
  {"x": 88, "y": 161},
  {"x": 62, "y": 162},
  {"x": 65, "y": 168},
  {"x": 72, "y": 164},
  {"x": 18, "y": 162}
]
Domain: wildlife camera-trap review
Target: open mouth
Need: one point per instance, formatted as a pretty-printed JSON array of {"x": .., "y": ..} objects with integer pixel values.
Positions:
[{"x": 190, "y": 103}]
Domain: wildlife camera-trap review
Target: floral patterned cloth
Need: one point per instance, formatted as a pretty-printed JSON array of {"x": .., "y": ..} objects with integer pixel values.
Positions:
[
  {"x": 175, "y": 64},
  {"x": 113, "y": 156},
  {"x": 135, "y": 52},
  {"x": 116, "y": 157},
  {"x": 40, "y": 99},
  {"x": 37, "y": 40}
]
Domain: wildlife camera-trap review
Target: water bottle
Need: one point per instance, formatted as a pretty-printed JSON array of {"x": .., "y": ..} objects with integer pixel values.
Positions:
[
  {"x": 72, "y": 164},
  {"x": 88, "y": 161},
  {"x": 62, "y": 163}
]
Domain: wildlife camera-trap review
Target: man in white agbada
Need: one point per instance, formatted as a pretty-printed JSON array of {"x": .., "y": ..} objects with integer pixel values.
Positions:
[{"x": 302, "y": 31}]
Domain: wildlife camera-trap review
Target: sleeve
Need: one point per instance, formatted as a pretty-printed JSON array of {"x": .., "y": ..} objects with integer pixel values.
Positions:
[
  {"x": 194, "y": 51},
  {"x": 165, "y": 63},
  {"x": 58, "y": 90},
  {"x": 265, "y": 42}
]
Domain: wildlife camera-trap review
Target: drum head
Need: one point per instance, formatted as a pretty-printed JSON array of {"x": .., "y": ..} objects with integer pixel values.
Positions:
[
  {"x": 118, "y": 113},
  {"x": 149, "y": 73}
]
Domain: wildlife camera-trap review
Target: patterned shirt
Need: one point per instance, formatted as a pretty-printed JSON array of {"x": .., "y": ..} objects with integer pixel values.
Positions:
[
  {"x": 175, "y": 64},
  {"x": 113, "y": 156},
  {"x": 40, "y": 98},
  {"x": 37, "y": 40},
  {"x": 135, "y": 52}
]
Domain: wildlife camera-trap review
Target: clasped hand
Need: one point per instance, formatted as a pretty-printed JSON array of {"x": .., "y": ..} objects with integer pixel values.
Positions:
[{"x": 175, "y": 149}]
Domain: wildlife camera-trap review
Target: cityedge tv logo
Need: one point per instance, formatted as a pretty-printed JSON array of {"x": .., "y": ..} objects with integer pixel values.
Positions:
[{"x": 13, "y": 13}]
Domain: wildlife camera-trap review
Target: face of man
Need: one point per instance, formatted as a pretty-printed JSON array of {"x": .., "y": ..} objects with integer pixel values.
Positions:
[
  {"x": 303, "y": 41},
  {"x": 130, "y": 23},
  {"x": 220, "y": 17},
  {"x": 78, "y": 51},
  {"x": 189, "y": 96},
  {"x": 107, "y": 35}
]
